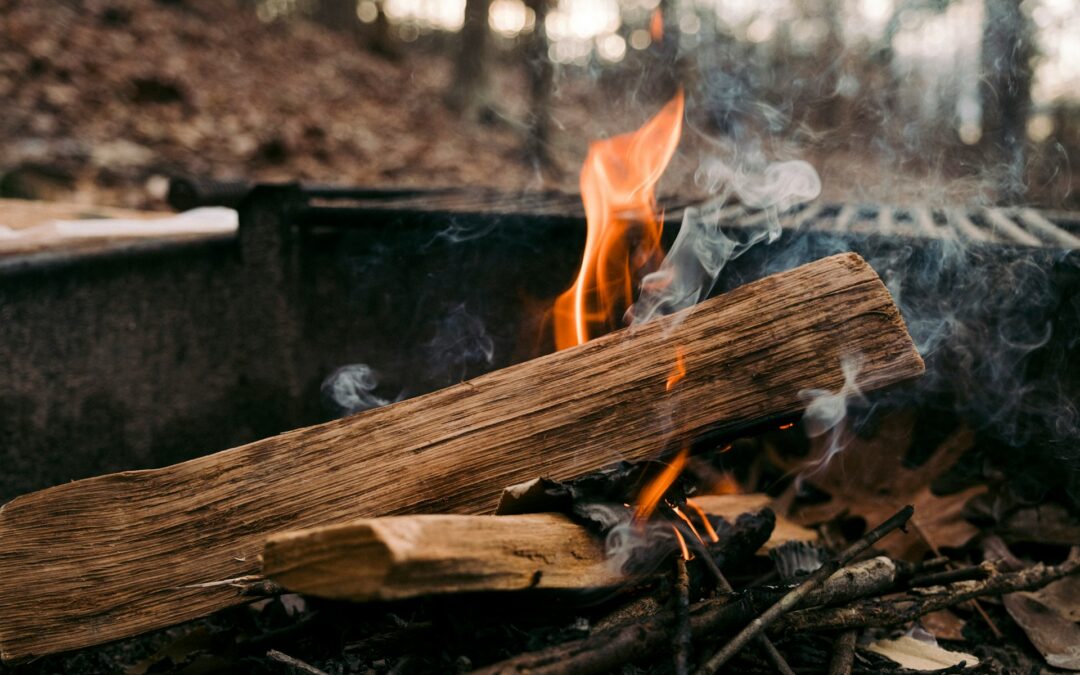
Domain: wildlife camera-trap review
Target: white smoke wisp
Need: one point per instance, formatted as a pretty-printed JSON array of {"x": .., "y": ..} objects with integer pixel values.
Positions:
[
  {"x": 351, "y": 388},
  {"x": 703, "y": 247},
  {"x": 461, "y": 347},
  {"x": 826, "y": 412},
  {"x": 631, "y": 546}
]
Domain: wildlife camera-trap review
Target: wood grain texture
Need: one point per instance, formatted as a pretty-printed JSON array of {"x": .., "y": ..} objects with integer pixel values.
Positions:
[
  {"x": 400, "y": 557},
  {"x": 108, "y": 557},
  {"x": 409, "y": 556}
]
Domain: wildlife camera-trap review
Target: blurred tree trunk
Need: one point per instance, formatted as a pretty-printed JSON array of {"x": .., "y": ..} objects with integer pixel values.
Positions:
[
  {"x": 832, "y": 53},
  {"x": 541, "y": 81},
  {"x": 338, "y": 15},
  {"x": 469, "y": 93},
  {"x": 380, "y": 39},
  {"x": 1005, "y": 90}
]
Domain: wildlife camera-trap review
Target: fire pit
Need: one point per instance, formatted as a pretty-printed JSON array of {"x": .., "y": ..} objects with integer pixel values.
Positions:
[{"x": 767, "y": 309}]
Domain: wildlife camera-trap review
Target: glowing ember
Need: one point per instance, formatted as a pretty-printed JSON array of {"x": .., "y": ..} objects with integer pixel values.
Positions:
[
  {"x": 618, "y": 184},
  {"x": 726, "y": 485},
  {"x": 678, "y": 373},
  {"x": 713, "y": 537},
  {"x": 784, "y": 427},
  {"x": 682, "y": 543},
  {"x": 652, "y": 494}
]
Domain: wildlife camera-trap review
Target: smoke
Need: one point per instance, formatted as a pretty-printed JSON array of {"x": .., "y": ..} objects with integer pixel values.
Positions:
[
  {"x": 350, "y": 389},
  {"x": 460, "y": 230},
  {"x": 826, "y": 411},
  {"x": 461, "y": 347},
  {"x": 702, "y": 248}
]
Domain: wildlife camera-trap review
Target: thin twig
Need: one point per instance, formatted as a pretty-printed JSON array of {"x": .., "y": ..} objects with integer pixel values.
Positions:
[
  {"x": 894, "y": 612},
  {"x": 975, "y": 603},
  {"x": 682, "y": 617},
  {"x": 947, "y": 577},
  {"x": 792, "y": 599},
  {"x": 843, "y": 653},
  {"x": 775, "y": 657},
  {"x": 605, "y": 651},
  {"x": 295, "y": 663}
]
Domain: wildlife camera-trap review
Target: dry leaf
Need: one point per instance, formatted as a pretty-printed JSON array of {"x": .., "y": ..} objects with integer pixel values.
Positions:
[
  {"x": 868, "y": 479},
  {"x": 1056, "y": 638},
  {"x": 1048, "y": 523},
  {"x": 944, "y": 625},
  {"x": 1062, "y": 596},
  {"x": 919, "y": 655}
]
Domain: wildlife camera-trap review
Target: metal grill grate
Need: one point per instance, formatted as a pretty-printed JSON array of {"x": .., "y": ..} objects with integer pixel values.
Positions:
[{"x": 1005, "y": 226}]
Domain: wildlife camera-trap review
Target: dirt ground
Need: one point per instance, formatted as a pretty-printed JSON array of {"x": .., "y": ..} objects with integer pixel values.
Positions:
[{"x": 102, "y": 100}]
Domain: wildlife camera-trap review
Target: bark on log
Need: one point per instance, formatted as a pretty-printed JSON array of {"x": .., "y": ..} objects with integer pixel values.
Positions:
[{"x": 113, "y": 556}]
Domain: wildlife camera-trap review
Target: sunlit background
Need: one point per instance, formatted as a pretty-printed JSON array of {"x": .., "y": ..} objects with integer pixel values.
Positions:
[{"x": 935, "y": 44}]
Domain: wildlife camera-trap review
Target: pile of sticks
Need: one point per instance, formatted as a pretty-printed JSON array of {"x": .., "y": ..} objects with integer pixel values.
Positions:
[
  {"x": 700, "y": 621},
  {"x": 848, "y": 593}
]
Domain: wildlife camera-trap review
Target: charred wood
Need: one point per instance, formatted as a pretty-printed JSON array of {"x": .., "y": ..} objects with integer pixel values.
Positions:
[
  {"x": 682, "y": 617},
  {"x": 792, "y": 599},
  {"x": 605, "y": 650}
]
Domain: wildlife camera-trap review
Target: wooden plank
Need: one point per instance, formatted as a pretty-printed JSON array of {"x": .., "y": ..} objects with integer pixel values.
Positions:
[
  {"x": 409, "y": 556},
  {"x": 400, "y": 557},
  {"x": 112, "y": 556}
]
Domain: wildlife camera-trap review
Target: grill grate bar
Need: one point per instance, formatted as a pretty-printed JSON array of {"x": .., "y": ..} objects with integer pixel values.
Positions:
[
  {"x": 887, "y": 220},
  {"x": 846, "y": 215},
  {"x": 1039, "y": 223},
  {"x": 928, "y": 226},
  {"x": 965, "y": 226},
  {"x": 1004, "y": 225}
]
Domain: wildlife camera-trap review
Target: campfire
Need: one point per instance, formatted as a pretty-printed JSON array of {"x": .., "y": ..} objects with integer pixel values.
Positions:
[{"x": 690, "y": 481}]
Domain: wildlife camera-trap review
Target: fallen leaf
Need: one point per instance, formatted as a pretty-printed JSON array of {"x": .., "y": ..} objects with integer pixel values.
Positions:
[
  {"x": 919, "y": 655},
  {"x": 944, "y": 625},
  {"x": 1062, "y": 596},
  {"x": 1056, "y": 638},
  {"x": 1047, "y": 523},
  {"x": 868, "y": 479}
]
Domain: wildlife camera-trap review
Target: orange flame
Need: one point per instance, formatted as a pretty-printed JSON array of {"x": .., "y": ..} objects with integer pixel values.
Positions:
[
  {"x": 713, "y": 537},
  {"x": 656, "y": 26},
  {"x": 654, "y": 491},
  {"x": 618, "y": 184},
  {"x": 682, "y": 544},
  {"x": 686, "y": 519},
  {"x": 678, "y": 372}
]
